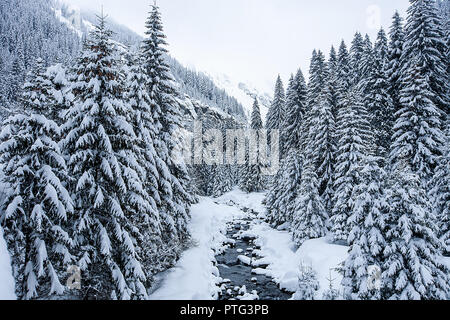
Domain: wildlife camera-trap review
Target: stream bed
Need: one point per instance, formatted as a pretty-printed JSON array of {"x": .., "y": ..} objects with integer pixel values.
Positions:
[{"x": 235, "y": 267}]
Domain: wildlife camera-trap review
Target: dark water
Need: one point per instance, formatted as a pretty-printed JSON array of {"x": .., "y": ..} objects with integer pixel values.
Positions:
[{"x": 239, "y": 274}]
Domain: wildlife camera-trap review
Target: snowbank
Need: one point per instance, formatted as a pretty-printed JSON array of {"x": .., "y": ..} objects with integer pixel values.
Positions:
[
  {"x": 283, "y": 259},
  {"x": 6, "y": 278},
  {"x": 324, "y": 257},
  {"x": 195, "y": 277},
  {"x": 252, "y": 201}
]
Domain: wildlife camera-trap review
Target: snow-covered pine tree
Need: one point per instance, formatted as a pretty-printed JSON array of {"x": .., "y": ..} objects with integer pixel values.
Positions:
[
  {"x": 413, "y": 266},
  {"x": 425, "y": 46},
  {"x": 252, "y": 178},
  {"x": 332, "y": 82},
  {"x": 16, "y": 76},
  {"x": 378, "y": 100},
  {"x": 107, "y": 188},
  {"x": 394, "y": 65},
  {"x": 37, "y": 215},
  {"x": 343, "y": 69},
  {"x": 353, "y": 130},
  {"x": 308, "y": 285},
  {"x": 317, "y": 81},
  {"x": 342, "y": 79},
  {"x": 3, "y": 91},
  {"x": 174, "y": 181},
  {"x": 276, "y": 111},
  {"x": 223, "y": 175},
  {"x": 222, "y": 180},
  {"x": 142, "y": 117},
  {"x": 331, "y": 293},
  {"x": 368, "y": 56},
  {"x": 441, "y": 194},
  {"x": 367, "y": 237},
  {"x": 322, "y": 146},
  {"x": 289, "y": 105},
  {"x": 275, "y": 116},
  {"x": 417, "y": 130},
  {"x": 280, "y": 200},
  {"x": 357, "y": 60},
  {"x": 273, "y": 195},
  {"x": 444, "y": 9},
  {"x": 295, "y": 112},
  {"x": 310, "y": 216}
]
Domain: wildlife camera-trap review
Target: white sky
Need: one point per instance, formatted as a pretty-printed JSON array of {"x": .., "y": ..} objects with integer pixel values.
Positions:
[{"x": 254, "y": 40}]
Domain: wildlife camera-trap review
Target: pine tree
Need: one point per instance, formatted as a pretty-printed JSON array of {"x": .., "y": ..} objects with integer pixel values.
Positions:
[
  {"x": 425, "y": 47},
  {"x": 316, "y": 85},
  {"x": 331, "y": 293},
  {"x": 309, "y": 220},
  {"x": 222, "y": 180},
  {"x": 107, "y": 189},
  {"x": 275, "y": 117},
  {"x": 318, "y": 75},
  {"x": 354, "y": 136},
  {"x": 36, "y": 216},
  {"x": 343, "y": 70},
  {"x": 280, "y": 200},
  {"x": 17, "y": 76},
  {"x": 343, "y": 78},
  {"x": 357, "y": 60},
  {"x": 142, "y": 117},
  {"x": 322, "y": 146},
  {"x": 252, "y": 179},
  {"x": 367, "y": 237},
  {"x": 417, "y": 130},
  {"x": 174, "y": 182},
  {"x": 368, "y": 57},
  {"x": 441, "y": 195},
  {"x": 307, "y": 284},
  {"x": 413, "y": 266},
  {"x": 378, "y": 100},
  {"x": 295, "y": 112},
  {"x": 332, "y": 83},
  {"x": 395, "y": 64}
]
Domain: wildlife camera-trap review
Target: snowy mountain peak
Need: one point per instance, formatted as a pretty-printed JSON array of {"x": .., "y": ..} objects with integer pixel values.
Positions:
[{"x": 243, "y": 92}]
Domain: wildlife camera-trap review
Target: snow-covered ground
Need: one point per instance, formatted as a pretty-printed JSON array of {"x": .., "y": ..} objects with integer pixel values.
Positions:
[
  {"x": 252, "y": 201},
  {"x": 195, "y": 277},
  {"x": 6, "y": 278},
  {"x": 283, "y": 258}
]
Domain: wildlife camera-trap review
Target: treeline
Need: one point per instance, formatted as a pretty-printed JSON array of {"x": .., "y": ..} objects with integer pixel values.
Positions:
[
  {"x": 365, "y": 149},
  {"x": 89, "y": 174}
]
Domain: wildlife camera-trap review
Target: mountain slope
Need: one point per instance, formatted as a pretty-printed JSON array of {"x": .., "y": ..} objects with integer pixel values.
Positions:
[{"x": 58, "y": 30}]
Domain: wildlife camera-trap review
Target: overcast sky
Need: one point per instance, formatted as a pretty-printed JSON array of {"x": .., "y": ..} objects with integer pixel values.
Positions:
[{"x": 254, "y": 40}]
